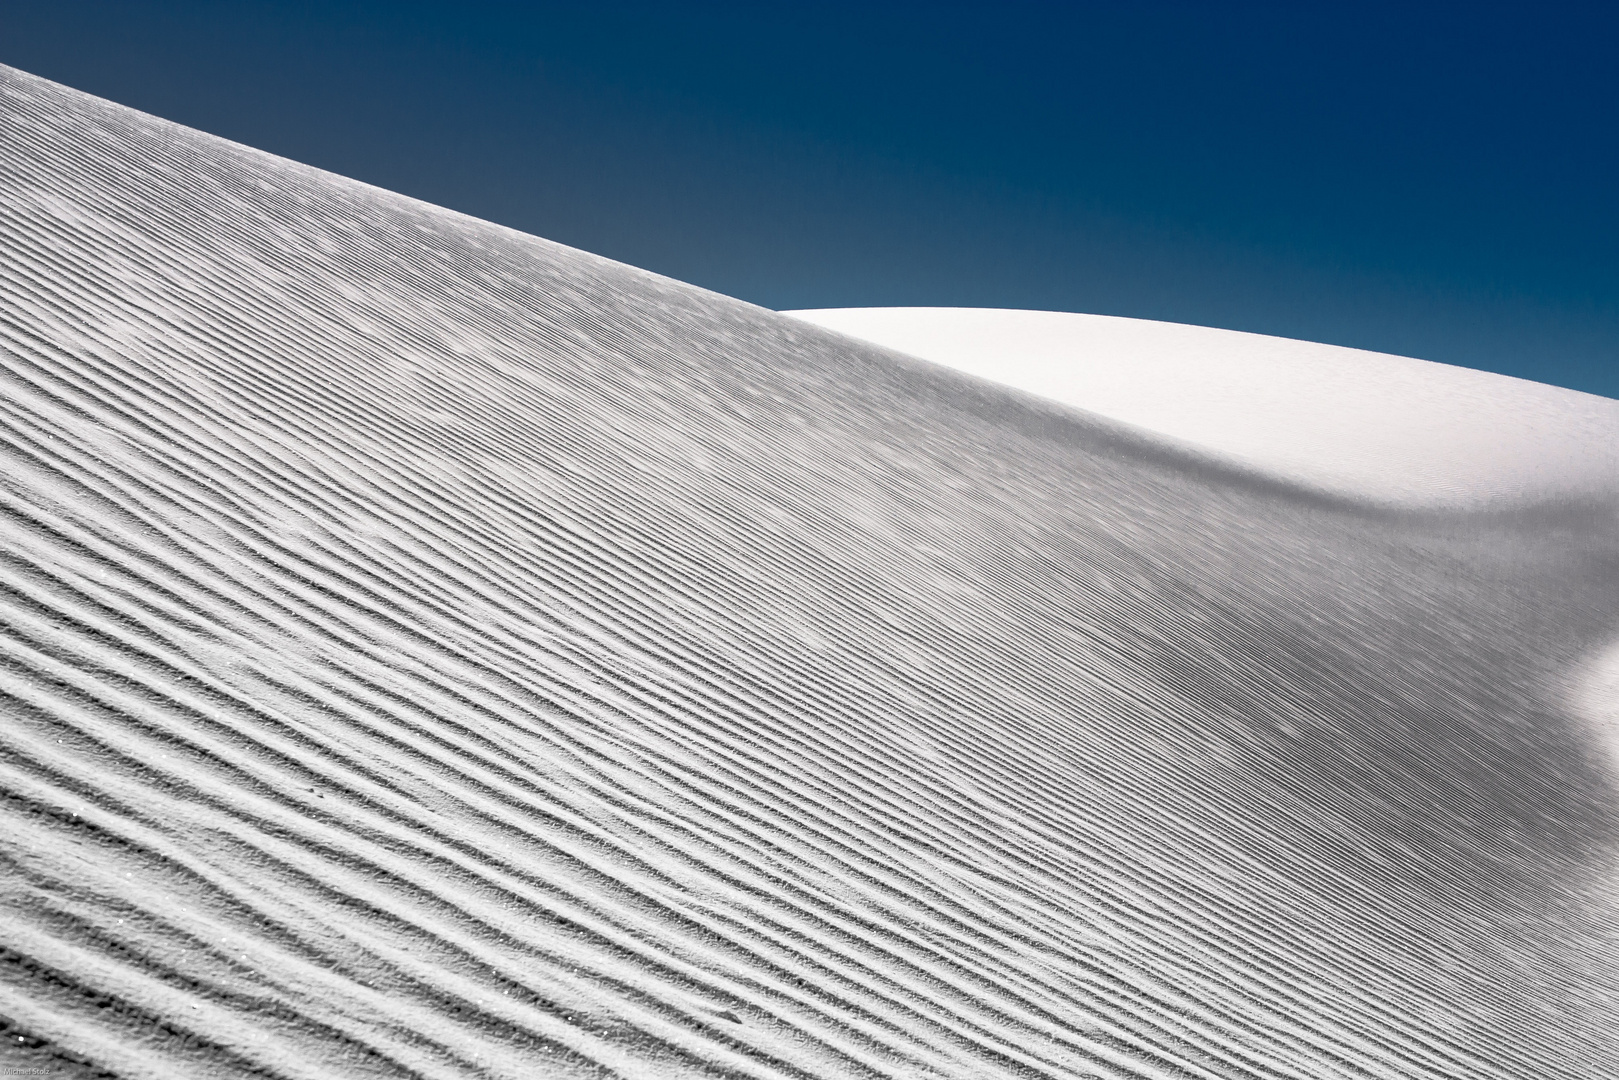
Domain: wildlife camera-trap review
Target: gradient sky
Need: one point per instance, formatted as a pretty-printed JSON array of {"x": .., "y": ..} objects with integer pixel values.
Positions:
[{"x": 1438, "y": 181}]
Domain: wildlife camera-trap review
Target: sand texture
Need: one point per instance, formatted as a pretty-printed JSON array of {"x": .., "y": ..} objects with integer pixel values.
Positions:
[{"x": 430, "y": 651}]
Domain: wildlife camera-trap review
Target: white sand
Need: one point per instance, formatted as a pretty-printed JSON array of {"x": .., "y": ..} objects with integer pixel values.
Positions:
[
  {"x": 1363, "y": 424},
  {"x": 429, "y": 651}
]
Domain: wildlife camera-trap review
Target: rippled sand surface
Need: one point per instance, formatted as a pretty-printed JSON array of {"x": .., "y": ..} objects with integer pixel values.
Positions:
[{"x": 426, "y": 650}]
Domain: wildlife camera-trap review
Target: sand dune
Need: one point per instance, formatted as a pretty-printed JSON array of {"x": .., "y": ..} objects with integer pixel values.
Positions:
[
  {"x": 1370, "y": 426},
  {"x": 432, "y": 651}
]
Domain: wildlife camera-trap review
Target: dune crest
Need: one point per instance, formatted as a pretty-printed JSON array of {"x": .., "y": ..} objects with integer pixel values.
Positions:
[{"x": 1361, "y": 424}]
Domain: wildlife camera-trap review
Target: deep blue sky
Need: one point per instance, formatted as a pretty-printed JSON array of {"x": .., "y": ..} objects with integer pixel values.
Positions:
[{"x": 1440, "y": 181}]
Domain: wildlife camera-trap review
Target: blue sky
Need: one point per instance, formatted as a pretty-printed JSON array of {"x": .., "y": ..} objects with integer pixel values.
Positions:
[{"x": 1438, "y": 181}]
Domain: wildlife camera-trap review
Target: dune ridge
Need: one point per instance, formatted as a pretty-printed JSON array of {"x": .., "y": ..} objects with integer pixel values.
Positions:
[{"x": 432, "y": 651}]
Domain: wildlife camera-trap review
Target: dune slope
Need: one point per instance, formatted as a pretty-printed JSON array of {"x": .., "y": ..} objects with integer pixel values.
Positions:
[{"x": 426, "y": 650}]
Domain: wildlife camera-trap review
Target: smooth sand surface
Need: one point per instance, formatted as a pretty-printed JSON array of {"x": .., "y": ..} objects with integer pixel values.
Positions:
[{"x": 1361, "y": 424}]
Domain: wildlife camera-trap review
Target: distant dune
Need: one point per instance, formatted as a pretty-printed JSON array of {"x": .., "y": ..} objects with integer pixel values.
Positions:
[
  {"x": 1372, "y": 427},
  {"x": 432, "y": 651}
]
